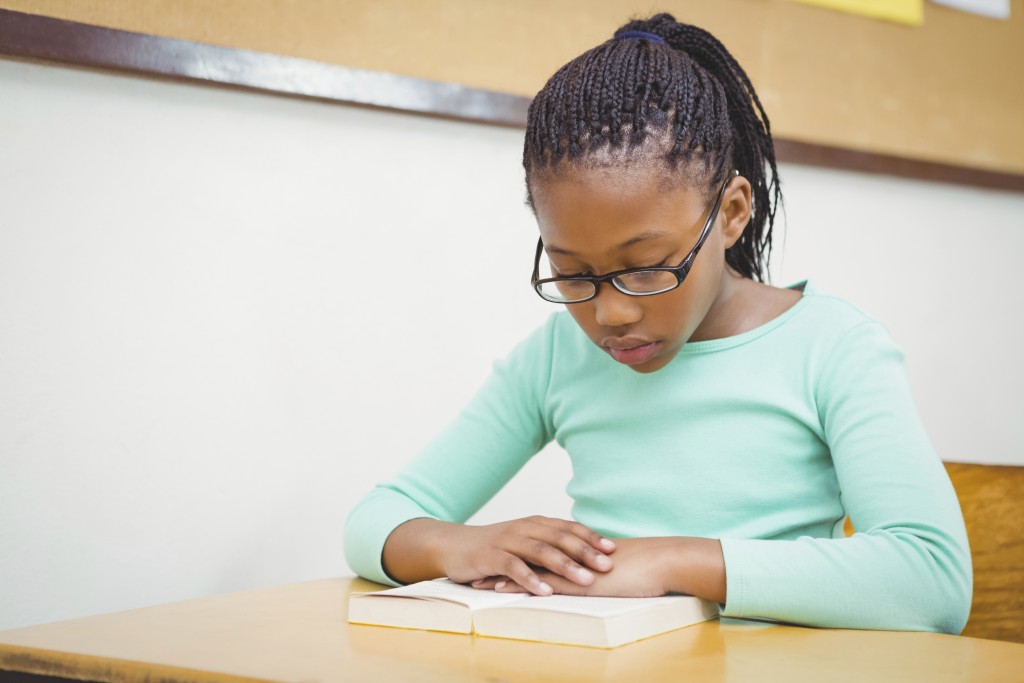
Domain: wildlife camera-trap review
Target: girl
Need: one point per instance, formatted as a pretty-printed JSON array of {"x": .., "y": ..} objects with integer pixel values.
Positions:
[{"x": 720, "y": 429}]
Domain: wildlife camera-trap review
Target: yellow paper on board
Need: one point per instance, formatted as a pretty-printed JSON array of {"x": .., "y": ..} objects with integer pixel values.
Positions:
[{"x": 902, "y": 11}]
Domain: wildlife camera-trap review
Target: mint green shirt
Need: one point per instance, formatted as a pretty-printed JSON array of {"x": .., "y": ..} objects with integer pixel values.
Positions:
[{"x": 765, "y": 440}]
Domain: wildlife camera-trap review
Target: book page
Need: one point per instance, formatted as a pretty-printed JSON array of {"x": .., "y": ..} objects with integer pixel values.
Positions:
[
  {"x": 593, "y": 606},
  {"x": 451, "y": 592}
]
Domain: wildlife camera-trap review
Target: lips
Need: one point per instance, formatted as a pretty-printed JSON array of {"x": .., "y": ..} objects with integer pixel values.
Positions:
[{"x": 630, "y": 350}]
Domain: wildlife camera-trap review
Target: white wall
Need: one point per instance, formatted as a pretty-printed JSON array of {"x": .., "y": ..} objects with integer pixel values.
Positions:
[
  {"x": 940, "y": 266},
  {"x": 202, "y": 366}
]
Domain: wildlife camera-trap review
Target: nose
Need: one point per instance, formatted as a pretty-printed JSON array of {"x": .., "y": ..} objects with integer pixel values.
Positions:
[{"x": 612, "y": 308}]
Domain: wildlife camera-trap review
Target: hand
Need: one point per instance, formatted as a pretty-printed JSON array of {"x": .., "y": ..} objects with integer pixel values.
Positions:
[
  {"x": 422, "y": 549},
  {"x": 522, "y": 548},
  {"x": 645, "y": 567},
  {"x": 638, "y": 573}
]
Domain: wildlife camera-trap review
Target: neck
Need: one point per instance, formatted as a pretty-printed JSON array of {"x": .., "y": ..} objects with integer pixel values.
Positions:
[
  {"x": 730, "y": 312},
  {"x": 743, "y": 305}
]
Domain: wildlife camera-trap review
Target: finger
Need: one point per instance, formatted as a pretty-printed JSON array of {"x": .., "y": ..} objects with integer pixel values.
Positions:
[
  {"x": 561, "y": 586},
  {"x": 544, "y": 553},
  {"x": 487, "y": 583},
  {"x": 583, "y": 532},
  {"x": 509, "y": 587},
  {"x": 521, "y": 573},
  {"x": 564, "y": 553}
]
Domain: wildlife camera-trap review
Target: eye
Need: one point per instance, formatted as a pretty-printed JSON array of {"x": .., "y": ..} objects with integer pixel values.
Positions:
[
  {"x": 557, "y": 273},
  {"x": 647, "y": 281}
]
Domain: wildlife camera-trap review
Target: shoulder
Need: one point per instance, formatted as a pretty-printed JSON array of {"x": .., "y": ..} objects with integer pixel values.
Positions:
[
  {"x": 799, "y": 323},
  {"x": 852, "y": 350},
  {"x": 832, "y": 323},
  {"x": 833, "y": 310},
  {"x": 824, "y": 334},
  {"x": 555, "y": 352},
  {"x": 556, "y": 336},
  {"x": 557, "y": 330}
]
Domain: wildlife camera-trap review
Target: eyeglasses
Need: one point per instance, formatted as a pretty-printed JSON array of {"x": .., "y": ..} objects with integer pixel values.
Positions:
[{"x": 631, "y": 281}]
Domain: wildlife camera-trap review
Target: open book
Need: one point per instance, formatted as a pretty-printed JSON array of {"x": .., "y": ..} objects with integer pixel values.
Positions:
[{"x": 594, "y": 622}]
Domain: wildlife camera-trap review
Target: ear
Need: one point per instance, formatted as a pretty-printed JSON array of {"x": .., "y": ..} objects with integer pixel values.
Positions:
[{"x": 736, "y": 208}]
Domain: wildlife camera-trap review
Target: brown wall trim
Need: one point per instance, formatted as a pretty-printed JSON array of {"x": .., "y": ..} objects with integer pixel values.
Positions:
[
  {"x": 809, "y": 154},
  {"x": 36, "y": 37}
]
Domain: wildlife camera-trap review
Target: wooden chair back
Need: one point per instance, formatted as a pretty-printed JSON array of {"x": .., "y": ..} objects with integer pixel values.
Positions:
[{"x": 992, "y": 499}]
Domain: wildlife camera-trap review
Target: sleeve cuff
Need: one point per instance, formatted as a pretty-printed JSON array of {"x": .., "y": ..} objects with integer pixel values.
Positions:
[{"x": 368, "y": 528}]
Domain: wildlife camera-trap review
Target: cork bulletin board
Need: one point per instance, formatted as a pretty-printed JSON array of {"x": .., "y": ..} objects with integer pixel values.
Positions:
[{"x": 948, "y": 94}]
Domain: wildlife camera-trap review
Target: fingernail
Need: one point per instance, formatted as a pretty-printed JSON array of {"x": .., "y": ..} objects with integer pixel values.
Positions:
[
  {"x": 605, "y": 543},
  {"x": 603, "y": 562},
  {"x": 499, "y": 585},
  {"x": 544, "y": 588},
  {"x": 584, "y": 574}
]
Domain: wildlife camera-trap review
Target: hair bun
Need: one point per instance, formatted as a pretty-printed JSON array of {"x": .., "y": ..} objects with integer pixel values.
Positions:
[{"x": 664, "y": 26}]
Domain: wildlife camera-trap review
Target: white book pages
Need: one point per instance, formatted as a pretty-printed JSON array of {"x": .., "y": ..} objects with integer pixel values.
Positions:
[
  {"x": 452, "y": 592},
  {"x": 593, "y": 606}
]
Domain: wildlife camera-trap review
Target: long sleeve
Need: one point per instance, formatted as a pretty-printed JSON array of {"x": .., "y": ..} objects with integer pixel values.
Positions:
[
  {"x": 479, "y": 452},
  {"x": 908, "y": 566}
]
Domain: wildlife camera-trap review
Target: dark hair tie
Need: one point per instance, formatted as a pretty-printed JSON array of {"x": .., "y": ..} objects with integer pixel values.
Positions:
[{"x": 641, "y": 35}]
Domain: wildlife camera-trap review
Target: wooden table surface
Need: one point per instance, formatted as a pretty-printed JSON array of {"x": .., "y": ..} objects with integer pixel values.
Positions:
[{"x": 298, "y": 633}]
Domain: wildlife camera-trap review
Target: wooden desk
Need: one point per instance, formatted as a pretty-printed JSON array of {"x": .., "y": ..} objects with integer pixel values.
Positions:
[{"x": 299, "y": 633}]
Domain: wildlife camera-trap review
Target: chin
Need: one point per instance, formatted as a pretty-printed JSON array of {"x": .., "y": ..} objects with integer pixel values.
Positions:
[
  {"x": 648, "y": 367},
  {"x": 653, "y": 365}
]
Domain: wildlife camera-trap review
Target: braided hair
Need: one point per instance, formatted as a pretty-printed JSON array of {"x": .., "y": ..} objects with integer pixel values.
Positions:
[{"x": 668, "y": 89}]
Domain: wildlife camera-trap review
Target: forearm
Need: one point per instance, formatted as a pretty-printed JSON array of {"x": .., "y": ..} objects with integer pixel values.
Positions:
[
  {"x": 414, "y": 550},
  {"x": 369, "y": 526},
  {"x": 883, "y": 579},
  {"x": 693, "y": 566}
]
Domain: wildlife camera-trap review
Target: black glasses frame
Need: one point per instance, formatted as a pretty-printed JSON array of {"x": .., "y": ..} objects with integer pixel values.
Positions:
[{"x": 680, "y": 271}]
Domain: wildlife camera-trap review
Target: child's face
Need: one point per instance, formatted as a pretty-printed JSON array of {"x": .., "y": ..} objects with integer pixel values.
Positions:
[{"x": 594, "y": 221}]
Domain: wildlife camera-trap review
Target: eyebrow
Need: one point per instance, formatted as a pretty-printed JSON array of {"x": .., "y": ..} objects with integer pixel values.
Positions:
[{"x": 649, "y": 235}]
